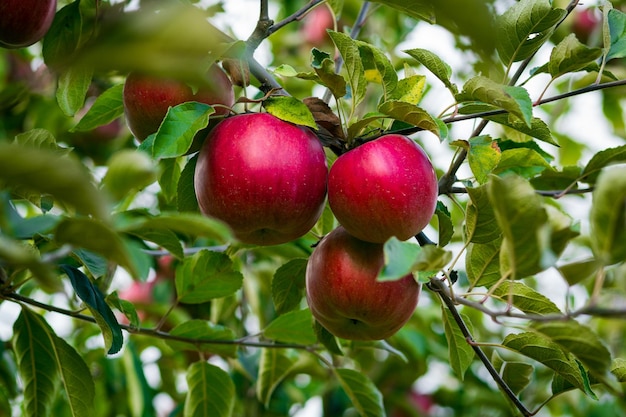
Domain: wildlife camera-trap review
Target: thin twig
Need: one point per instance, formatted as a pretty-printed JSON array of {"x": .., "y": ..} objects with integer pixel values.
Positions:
[
  {"x": 298, "y": 15},
  {"x": 437, "y": 286},
  {"x": 155, "y": 332}
]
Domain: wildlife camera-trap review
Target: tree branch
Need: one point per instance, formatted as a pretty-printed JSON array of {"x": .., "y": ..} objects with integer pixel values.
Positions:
[
  {"x": 437, "y": 286},
  {"x": 295, "y": 17},
  {"x": 155, "y": 332}
]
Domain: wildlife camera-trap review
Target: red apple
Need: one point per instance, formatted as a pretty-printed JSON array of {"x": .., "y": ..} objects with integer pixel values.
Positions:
[
  {"x": 315, "y": 25},
  {"x": 147, "y": 98},
  {"x": 344, "y": 295},
  {"x": 383, "y": 188},
  {"x": 264, "y": 177},
  {"x": 24, "y": 22}
]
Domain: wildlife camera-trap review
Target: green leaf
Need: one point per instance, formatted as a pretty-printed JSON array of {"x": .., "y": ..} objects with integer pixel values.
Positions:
[
  {"x": 22, "y": 255},
  {"x": 576, "y": 272},
  {"x": 292, "y": 327},
  {"x": 72, "y": 88},
  {"x": 169, "y": 177},
  {"x": 206, "y": 275},
  {"x": 482, "y": 263},
  {"x": 480, "y": 221},
  {"x": 363, "y": 394},
  {"x": 446, "y": 228},
  {"x": 517, "y": 375},
  {"x": 45, "y": 172},
  {"x": 538, "y": 129},
  {"x": 288, "y": 285},
  {"x": 107, "y": 107},
  {"x": 76, "y": 379},
  {"x": 570, "y": 55},
  {"x": 324, "y": 67},
  {"x": 44, "y": 360},
  {"x": 291, "y": 110},
  {"x": 418, "y": 9},
  {"x": 409, "y": 90},
  {"x": 207, "y": 337},
  {"x": 94, "y": 299},
  {"x": 600, "y": 160},
  {"x": 179, "y": 127},
  {"x": 34, "y": 353},
  {"x": 164, "y": 238},
  {"x": 399, "y": 259},
  {"x": 411, "y": 114},
  {"x": 581, "y": 341},
  {"x": 618, "y": 368},
  {"x": 95, "y": 236},
  {"x": 185, "y": 193},
  {"x": 521, "y": 217},
  {"x": 514, "y": 100},
  {"x": 435, "y": 65},
  {"x": 191, "y": 224},
  {"x": 402, "y": 258},
  {"x": 540, "y": 348},
  {"x": 524, "y": 27},
  {"x": 64, "y": 35},
  {"x": 525, "y": 298},
  {"x": 378, "y": 67},
  {"x": 521, "y": 161},
  {"x": 349, "y": 50},
  {"x": 608, "y": 216},
  {"x": 483, "y": 156},
  {"x": 129, "y": 171},
  {"x": 274, "y": 366},
  {"x": 327, "y": 339},
  {"x": 356, "y": 128},
  {"x": 40, "y": 139},
  {"x": 617, "y": 30},
  {"x": 460, "y": 352},
  {"x": 211, "y": 392},
  {"x": 178, "y": 42}
]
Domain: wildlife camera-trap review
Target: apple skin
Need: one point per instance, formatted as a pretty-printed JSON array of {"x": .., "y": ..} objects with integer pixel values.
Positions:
[
  {"x": 383, "y": 188},
  {"x": 24, "y": 22},
  {"x": 147, "y": 98},
  {"x": 344, "y": 295},
  {"x": 262, "y": 176}
]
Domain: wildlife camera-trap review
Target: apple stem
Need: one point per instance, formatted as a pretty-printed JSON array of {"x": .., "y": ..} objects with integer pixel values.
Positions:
[{"x": 436, "y": 285}]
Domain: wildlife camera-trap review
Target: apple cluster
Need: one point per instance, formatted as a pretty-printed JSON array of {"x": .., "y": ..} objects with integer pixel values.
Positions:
[
  {"x": 24, "y": 22},
  {"x": 268, "y": 180},
  {"x": 381, "y": 189}
]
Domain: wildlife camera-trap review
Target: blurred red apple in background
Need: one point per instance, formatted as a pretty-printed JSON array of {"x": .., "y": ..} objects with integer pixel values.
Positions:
[
  {"x": 147, "y": 98},
  {"x": 24, "y": 22}
]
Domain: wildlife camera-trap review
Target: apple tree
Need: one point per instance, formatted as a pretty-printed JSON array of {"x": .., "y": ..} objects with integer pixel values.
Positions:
[{"x": 195, "y": 222}]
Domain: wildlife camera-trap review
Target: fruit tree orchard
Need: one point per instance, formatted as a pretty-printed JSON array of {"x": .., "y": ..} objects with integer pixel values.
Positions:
[{"x": 187, "y": 231}]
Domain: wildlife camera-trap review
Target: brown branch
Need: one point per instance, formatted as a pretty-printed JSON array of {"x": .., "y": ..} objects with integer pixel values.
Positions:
[
  {"x": 155, "y": 332},
  {"x": 438, "y": 286}
]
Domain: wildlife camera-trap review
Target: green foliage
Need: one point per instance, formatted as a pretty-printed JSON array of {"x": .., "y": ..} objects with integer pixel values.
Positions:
[{"x": 526, "y": 206}]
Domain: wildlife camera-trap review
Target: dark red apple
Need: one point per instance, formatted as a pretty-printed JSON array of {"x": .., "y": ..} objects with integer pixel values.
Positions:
[
  {"x": 147, "y": 98},
  {"x": 383, "y": 188},
  {"x": 264, "y": 177},
  {"x": 344, "y": 295},
  {"x": 24, "y": 22}
]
